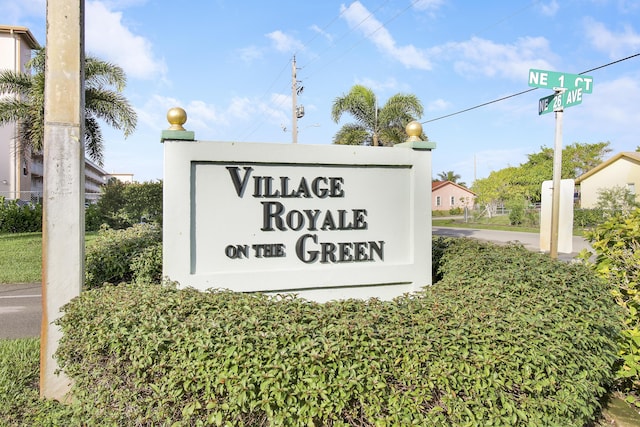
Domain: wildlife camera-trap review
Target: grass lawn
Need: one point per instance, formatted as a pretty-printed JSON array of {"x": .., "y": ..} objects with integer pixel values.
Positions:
[
  {"x": 21, "y": 256},
  {"x": 500, "y": 223},
  {"x": 20, "y": 403}
]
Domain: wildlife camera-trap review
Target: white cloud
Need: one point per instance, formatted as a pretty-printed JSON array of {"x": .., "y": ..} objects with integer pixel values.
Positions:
[
  {"x": 323, "y": 33},
  {"x": 549, "y": 9},
  {"x": 614, "y": 44},
  {"x": 615, "y": 111},
  {"x": 427, "y": 4},
  {"x": 480, "y": 57},
  {"x": 628, "y": 6},
  {"x": 438, "y": 105},
  {"x": 252, "y": 114},
  {"x": 358, "y": 17},
  {"x": 283, "y": 42},
  {"x": 378, "y": 86},
  {"x": 200, "y": 115},
  {"x": 108, "y": 38},
  {"x": 19, "y": 12},
  {"x": 250, "y": 53},
  {"x": 212, "y": 121}
]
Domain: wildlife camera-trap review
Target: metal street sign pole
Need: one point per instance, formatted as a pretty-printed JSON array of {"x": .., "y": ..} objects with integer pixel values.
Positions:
[
  {"x": 555, "y": 191},
  {"x": 568, "y": 90}
]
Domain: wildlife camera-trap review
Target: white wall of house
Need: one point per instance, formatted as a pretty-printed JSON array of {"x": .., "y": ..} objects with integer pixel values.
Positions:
[{"x": 623, "y": 171}]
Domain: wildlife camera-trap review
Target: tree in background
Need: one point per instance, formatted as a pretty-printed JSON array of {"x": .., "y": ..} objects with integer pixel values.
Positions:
[
  {"x": 123, "y": 205},
  {"x": 451, "y": 176},
  {"x": 524, "y": 182},
  {"x": 374, "y": 125},
  {"x": 104, "y": 83}
]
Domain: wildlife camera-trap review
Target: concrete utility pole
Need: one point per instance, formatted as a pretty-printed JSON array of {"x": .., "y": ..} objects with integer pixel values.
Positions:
[{"x": 63, "y": 215}]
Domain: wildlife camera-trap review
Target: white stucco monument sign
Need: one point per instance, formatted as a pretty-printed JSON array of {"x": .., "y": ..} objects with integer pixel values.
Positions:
[{"x": 325, "y": 222}]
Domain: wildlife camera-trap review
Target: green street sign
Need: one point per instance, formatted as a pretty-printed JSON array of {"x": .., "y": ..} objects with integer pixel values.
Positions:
[
  {"x": 558, "y": 102},
  {"x": 556, "y": 80}
]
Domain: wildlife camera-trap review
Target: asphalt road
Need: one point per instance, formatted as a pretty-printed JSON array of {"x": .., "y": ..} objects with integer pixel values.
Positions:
[
  {"x": 20, "y": 304},
  {"x": 20, "y": 310},
  {"x": 530, "y": 241}
]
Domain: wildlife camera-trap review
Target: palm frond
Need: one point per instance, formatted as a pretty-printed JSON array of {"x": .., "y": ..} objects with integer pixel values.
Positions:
[
  {"x": 13, "y": 110},
  {"x": 93, "y": 140},
  {"x": 24, "y": 103},
  {"x": 352, "y": 134},
  {"x": 100, "y": 73},
  {"x": 360, "y": 103},
  {"x": 383, "y": 125},
  {"x": 112, "y": 107},
  {"x": 15, "y": 83}
]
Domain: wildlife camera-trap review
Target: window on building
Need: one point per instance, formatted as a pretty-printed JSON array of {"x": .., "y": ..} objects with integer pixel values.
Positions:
[
  {"x": 438, "y": 201},
  {"x": 632, "y": 187},
  {"x": 452, "y": 201}
]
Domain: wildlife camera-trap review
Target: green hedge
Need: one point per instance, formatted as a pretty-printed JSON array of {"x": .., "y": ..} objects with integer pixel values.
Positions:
[
  {"x": 583, "y": 218},
  {"x": 506, "y": 337},
  {"x": 15, "y": 218},
  {"x": 132, "y": 254}
]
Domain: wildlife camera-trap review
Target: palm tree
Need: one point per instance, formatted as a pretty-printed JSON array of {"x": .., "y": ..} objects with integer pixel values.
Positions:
[
  {"x": 374, "y": 125},
  {"x": 450, "y": 176},
  {"x": 104, "y": 83}
]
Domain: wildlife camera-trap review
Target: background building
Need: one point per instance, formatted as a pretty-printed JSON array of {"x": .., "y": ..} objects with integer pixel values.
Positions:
[
  {"x": 446, "y": 195},
  {"x": 16, "y": 44},
  {"x": 21, "y": 174},
  {"x": 127, "y": 178},
  {"x": 621, "y": 170}
]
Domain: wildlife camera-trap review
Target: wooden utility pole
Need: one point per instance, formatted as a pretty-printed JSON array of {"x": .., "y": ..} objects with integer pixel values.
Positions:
[
  {"x": 63, "y": 214},
  {"x": 294, "y": 98}
]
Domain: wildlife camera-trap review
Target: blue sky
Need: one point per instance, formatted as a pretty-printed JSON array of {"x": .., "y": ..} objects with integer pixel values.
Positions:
[{"x": 228, "y": 64}]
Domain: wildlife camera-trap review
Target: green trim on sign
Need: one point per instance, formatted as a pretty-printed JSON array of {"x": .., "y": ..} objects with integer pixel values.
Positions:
[
  {"x": 417, "y": 145},
  {"x": 182, "y": 135}
]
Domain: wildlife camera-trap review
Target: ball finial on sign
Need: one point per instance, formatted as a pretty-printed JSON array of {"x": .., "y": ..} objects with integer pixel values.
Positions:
[
  {"x": 176, "y": 117},
  {"x": 414, "y": 130}
]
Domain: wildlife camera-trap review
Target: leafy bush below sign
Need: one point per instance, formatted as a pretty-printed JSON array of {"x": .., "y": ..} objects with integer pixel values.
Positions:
[
  {"x": 616, "y": 243},
  {"x": 506, "y": 337},
  {"x": 132, "y": 254}
]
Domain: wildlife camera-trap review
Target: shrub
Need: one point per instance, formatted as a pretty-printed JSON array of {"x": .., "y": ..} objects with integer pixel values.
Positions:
[
  {"x": 617, "y": 248},
  {"x": 456, "y": 211},
  {"x": 92, "y": 218},
  {"x": 122, "y": 205},
  {"x": 584, "y": 218},
  {"x": 15, "y": 218},
  {"x": 516, "y": 212},
  {"x": 147, "y": 265},
  {"x": 507, "y": 337},
  {"x": 115, "y": 254}
]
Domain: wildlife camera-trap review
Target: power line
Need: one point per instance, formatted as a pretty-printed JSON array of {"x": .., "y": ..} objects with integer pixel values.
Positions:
[
  {"x": 256, "y": 126},
  {"x": 523, "y": 92},
  {"x": 500, "y": 21},
  {"x": 366, "y": 36},
  {"x": 352, "y": 29}
]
